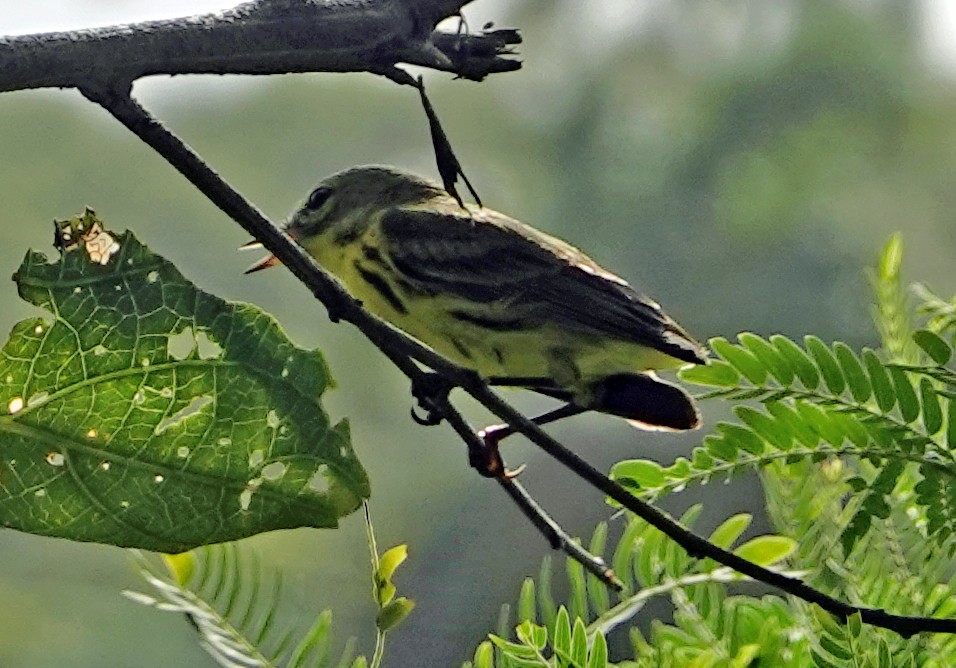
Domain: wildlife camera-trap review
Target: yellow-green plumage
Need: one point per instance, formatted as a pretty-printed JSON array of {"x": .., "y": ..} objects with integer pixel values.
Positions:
[{"x": 495, "y": 295}]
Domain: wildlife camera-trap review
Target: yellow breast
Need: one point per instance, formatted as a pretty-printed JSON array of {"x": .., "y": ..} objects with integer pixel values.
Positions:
[{"x": 570, "y": 358}]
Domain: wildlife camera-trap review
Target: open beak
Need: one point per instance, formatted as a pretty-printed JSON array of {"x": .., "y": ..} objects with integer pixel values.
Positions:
[{"x": 264, "y": 263}]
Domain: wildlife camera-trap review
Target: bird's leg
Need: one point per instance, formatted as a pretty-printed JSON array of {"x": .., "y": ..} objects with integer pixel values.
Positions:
[
  {"x": 429, "y": 389},
  {"x": 488, "y": 460}
]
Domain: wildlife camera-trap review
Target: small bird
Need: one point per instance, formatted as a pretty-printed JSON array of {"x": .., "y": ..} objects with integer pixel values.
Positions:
[{"x": 492, "y": 294}]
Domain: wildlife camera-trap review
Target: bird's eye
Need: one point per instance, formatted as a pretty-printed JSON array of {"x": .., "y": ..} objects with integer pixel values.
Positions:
[{"x": 318, "y": 197}]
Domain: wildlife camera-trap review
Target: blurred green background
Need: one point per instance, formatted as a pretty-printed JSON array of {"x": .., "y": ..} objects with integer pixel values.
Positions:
[{"x": 739, "y": 161}]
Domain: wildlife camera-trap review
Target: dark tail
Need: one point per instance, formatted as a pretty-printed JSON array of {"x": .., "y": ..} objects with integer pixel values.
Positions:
[{"x": 645, "y": 399}]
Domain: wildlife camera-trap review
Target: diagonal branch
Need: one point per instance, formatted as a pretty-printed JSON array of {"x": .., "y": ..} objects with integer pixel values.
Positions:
[
  {"x": 398, "y": 347},
  {"x": 404, "y": 351},
  {"x": 260, "y": 37}
]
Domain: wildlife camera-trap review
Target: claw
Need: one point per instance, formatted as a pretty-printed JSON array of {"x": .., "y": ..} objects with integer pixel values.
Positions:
[
  {"x": 511, "y": 474},
  {"x": 428, "y": 391},
  {"x": 487, "y": 461},
  {"x": 430, "y": 419}
]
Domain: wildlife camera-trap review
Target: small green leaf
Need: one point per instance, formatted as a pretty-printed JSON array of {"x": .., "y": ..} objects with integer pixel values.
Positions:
[
  {"x": 857, "y": 484},
  {"x": 880, "y": 380},
  {"x": 905, "y": 395},
  {"x": 769, "y": 357},
  {"x": 891, "y": 257},
  {"x": 730, "y": 530},
  {"x": 951, "y": 424},
  {"x": 820, "y": 661},
  {"x": 503, "y": 627},
  {"x": 885, "y": 656},
  {"x": 546, "y": 605},
  {"x": 621, "y": 561},
  {"x": 387, "y": 564},
  {"x": 524, "y": 655},
  {"x": 578, "y": 596},
  {"x": 766, "y": 550},
  {"x": 597, "y": 591},
  {"x": 741, "y": 437},
  {"x": 765, "y": 426},
  {"x": 827, "y": 363},
  {"x": 803, "y": 366},
  {"x": 390, "y": 561},
  {"x": 393, "y": 613},
  {"x": 690, "y": 515},
  {"x": 839, "y": 650},
  {"x": 579, "y": 644},
  {"x": 315, "y": 643},
  {"x": 933, "y": 345},
  {"x": 932, "y": 412},
  {"x": 819, "y": 420},
  {"x": 647, "y": 565},
  {"x": 644, "y": 472},
  {"x": 562, "y": 632},
  {"x": 794, "y": 423},
  {"x": 598, "y": 657},
  {"x": 740, "y": 359},
  {"x": 484, "y": 656},
  {"x": 713, "y": 374},
  {"x": 384, "y": 593},
  {"x": 853, "y": 372},
  {"x": 888, "y": 476},
  {"x": 854, "y": 625},
  {"x": 745, "y": 655},
  {"x": 534, "y": 636},
  {"x": 146, "y": 413},
  {"x": 181, "y": 566},
  {"x": 527, "y": 610},
  {"x": 858, "y": 525},
  {"x": 720, "y": 448}
]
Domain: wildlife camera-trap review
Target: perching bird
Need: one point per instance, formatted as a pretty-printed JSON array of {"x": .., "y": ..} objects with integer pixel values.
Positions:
[{"x": 492, "y": 294}]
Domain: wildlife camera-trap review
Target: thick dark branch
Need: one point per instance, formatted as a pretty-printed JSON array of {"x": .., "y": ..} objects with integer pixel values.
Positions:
[{"x": 262, "y": 37}]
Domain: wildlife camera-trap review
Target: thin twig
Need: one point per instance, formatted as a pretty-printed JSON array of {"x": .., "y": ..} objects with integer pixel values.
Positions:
[
  {"x": 696, "y": 545},
  {"x": 551, "y": 530},
  {"x": 402, "y": 351}
]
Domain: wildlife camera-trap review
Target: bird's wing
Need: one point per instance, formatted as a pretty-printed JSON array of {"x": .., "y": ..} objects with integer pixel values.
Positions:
[{"x": 513, "y": 276}]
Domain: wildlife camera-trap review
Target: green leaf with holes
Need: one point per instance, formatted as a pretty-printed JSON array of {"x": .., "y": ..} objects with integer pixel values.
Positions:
[{"x": 146, "y": 413}]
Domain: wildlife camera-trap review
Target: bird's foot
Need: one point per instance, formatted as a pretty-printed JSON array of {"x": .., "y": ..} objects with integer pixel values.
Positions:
[
  {"x": 430, "y": 391},
  {"x": 487, "y": 460}
]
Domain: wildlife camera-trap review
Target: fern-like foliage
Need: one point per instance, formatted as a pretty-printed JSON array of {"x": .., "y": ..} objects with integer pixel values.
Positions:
[
  {"x": 893, "y": 567},
  {"x": 652, "y": 567},
  {"x": 220, "y": 590},
  {"x": 892, "y": 411},
  {"x": 856, "y": 452},
  {"x": 820, "y": 402}
]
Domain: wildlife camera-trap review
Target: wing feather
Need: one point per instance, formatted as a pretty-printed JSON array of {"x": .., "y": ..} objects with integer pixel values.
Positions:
[{"x": 508, "y": 271}]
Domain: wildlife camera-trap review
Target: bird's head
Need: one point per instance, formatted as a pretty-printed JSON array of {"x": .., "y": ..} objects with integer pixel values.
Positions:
[
  {"x": 343, "y": 203},
  {"x": 342, "y": 200}
]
